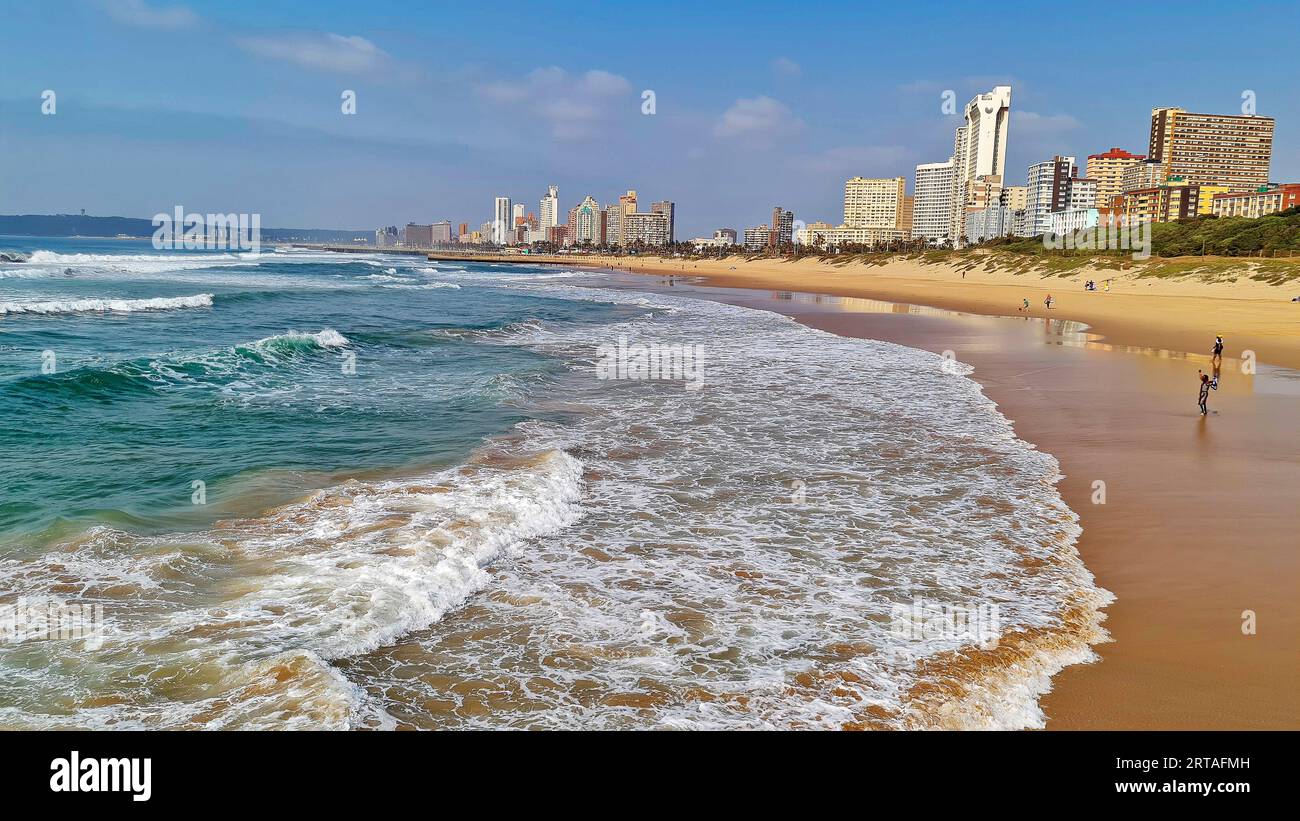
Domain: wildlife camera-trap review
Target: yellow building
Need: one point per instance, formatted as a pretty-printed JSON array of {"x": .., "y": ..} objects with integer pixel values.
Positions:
[
  {"x": 877, "y": 203},
  {"x": 1108, "y": 170}
]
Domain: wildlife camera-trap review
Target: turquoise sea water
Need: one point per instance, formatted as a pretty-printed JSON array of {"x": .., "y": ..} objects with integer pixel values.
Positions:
[
  {"x": 422, "y": 506},
  {"x": 144, "y": 401}
]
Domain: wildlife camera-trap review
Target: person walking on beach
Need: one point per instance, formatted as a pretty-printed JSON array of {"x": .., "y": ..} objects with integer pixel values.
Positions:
[
  {"x": 1218, "y": 349},
  {"x": 1204, "y": 397},
  {"x": 1048, "y": 302},
  {"x": 1024, "y": 307}
]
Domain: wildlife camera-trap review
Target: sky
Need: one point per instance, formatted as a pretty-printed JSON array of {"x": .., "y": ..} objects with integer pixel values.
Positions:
[{"x": 239, "y": 106}]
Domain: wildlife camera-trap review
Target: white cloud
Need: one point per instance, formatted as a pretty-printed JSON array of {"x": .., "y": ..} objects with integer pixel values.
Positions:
[
  {"x": 140, "y": 13},
  {"x": 1027, "y": 123},
  {"x": 574, "y": 107},
  {"x": 787, "y": 67},
  {"x": 759, "y": 120},
  {"x": 327, "y": 52}
]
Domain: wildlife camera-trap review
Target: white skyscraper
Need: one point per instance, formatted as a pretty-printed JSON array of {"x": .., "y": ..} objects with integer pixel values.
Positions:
[
  {"x": 979, "y": 149},
  {"x": 501, "y": 223},
  {"x": 932, "y": 201},
  {"x": 548, "y": 216}
]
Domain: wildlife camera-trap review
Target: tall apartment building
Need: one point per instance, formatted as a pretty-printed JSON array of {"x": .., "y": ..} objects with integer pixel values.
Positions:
[
  {"x": 549, "y": 208},
  {"x": 667, "y": 209},
  {"x": 501, "y": 220},
  {"x": 1108, "y": 169},
  {"x": 757, "y": 238},
  {"x": 1048, "y": 191},
  {"x": 1146, "y": 174},
  {"x": 875, "y": 202},
  {"x": 781, "y": 229},
  {"x": 440, "y": 233},
  {"x": 647, "y": 229},
  {"x": 1234, "y": 150},
  {"x": 1015, "y": 197},
  {"x": 932, "y": 201},
  {"x": 725, "y": 236},
  {"x": 614, "y": 224},
  {"x": 979, "y": 149},
  {"x": 586, "y": 222}
]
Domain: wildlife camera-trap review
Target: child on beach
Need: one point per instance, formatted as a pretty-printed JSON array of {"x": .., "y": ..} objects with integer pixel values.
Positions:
[
  {"x": 1048, "y": 302},
  {"x": 1204, "y": 396},
  {"x": 1218, "y": 348}
]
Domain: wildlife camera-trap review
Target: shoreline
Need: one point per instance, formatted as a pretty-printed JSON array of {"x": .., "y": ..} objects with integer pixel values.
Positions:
[
  {"x": 1194, "y": 529},
  {"x": 1171, "y": 314}
]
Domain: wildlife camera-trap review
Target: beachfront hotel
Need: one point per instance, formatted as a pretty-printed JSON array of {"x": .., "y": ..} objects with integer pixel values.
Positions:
[
  {"x": 877, "y": 203},
  {"x": 979, "y": 150},
  {"x": 932, "y": 201},
  {"x": 1054, "y": 185},
  {"x": 1108, "y": 168},
  {"x": 1234, "y": 150},
  {"x": 548, "y": 211},
  {"x": 500, "y": 220}
]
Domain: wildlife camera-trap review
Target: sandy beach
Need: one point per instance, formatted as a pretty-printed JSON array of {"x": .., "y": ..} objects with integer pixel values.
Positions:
[{"x": 1196, "y": 535}]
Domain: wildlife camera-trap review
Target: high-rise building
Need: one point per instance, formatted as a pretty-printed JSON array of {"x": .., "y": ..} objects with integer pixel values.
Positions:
[
  {"x": 1107, "y": 169},
  {"x": 517, "y": 214},
  {"x": 667, "y": 208},
  {"x": 501, "y": 221},
  {"x": 757, "y": 238},
  {"x": 627, "y": 202},
  {"x": 876, "y": 202},
  {"x": 1141, "y": 175},
  {"x": 440, "y": 233},
  {"x": 1235, "y": 150},
  {"x": 1015, "y": 197},
  {"x": 1049, "y": 191},
  {"x": 781, "y": 230},
  {"x": 614, "y": 224},
  {"x": 979, "y": 149},
  {"x": 932, "y": 201},
  {"x": 646, "y": 229},
  {"x": 586, "y": 220},
  {"x": 419, "y": 236},
  {"x": 549, "y": 211},
  {"x": 726, "y": 236}
]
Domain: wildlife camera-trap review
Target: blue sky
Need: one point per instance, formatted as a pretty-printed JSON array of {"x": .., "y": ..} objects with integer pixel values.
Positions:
[{"x": 236, "y": 106}]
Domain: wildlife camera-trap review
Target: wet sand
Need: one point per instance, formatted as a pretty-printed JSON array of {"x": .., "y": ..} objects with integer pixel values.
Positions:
[{"x": 1198, "y": 524}]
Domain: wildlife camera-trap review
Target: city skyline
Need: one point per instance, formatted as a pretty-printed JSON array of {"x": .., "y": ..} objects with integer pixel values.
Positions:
[{"x": 436, "y": 133}]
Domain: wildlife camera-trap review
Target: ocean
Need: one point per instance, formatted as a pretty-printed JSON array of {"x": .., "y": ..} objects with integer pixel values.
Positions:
[{"x": 368, "y": 491}]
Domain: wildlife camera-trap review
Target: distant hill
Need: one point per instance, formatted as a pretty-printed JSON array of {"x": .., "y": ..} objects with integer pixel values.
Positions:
[{"x": 75, "y": 225}]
